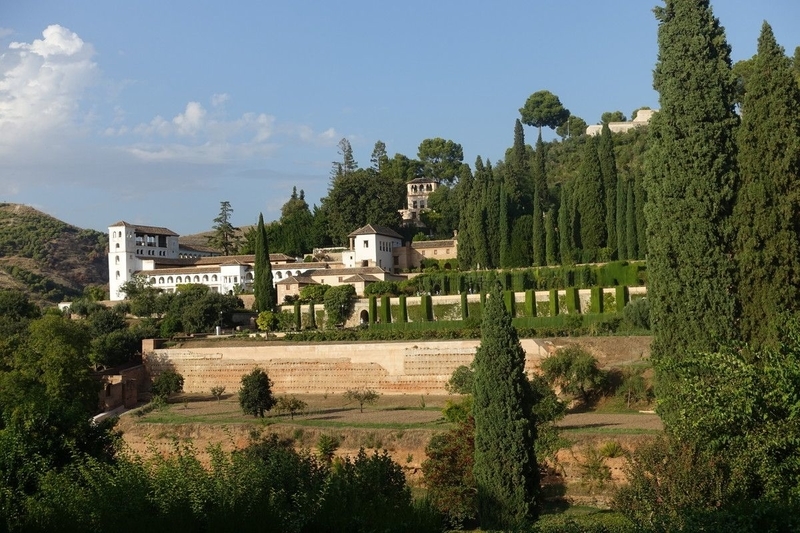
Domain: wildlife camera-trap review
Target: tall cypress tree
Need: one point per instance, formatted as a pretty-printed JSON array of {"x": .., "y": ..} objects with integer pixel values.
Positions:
[
  {"x": 551, "y": 240},
  {"x": 506, "y": 471},
  {"x": 518, "y": 181},
  {"x": 478, "y": 217},
  {"x": 539, "y": 236},
  {"x": 565, "y": 228},
  {"x": 640, "y": 201},
  {"x": 466, "y": 244},
  {"x": 591, "y": 203},
  {"x": 691, "y": 179},
  {"x": 540, "y": 200},
  {"x": 631, "y": 233},
  {"x": 622, "y": 238},
  {"x": 492, "y": 203},
  {"x": 767, "y": 210},
  {"x": 608, "y": 168},
  {"x": 263, "y": 290},
  {"x": 505, "y": 221}
]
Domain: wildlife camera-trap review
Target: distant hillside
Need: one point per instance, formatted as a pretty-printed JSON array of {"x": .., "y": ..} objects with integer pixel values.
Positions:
[{"x": 49, "y": 259}]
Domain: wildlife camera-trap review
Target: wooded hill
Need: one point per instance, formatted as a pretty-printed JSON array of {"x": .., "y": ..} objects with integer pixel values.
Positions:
[{"x": 48, "y": 259}]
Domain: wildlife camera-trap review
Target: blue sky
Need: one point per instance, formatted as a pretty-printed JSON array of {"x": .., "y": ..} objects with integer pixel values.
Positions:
[{"x": 154, "y": 112}]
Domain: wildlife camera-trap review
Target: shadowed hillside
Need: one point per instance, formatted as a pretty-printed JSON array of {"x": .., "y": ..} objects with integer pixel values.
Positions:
[{"x": 49, "y": 259}]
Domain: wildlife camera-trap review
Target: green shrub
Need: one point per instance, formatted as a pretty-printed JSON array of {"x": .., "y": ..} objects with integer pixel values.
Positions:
[
  {"x": 573, "y": 300},
  {"x": 166, "y": 384},
  {"x": 637, "y": 313}
]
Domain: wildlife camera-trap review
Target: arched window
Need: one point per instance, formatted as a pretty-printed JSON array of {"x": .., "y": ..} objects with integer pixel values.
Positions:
[
  {"x": 169, "y": 280},
  {"x": 116, "y": 260},
  {"x": 197, "y": 279},
  {"x": 178, "y": 279},
  {"x": 153, "y": 281},
  {"x": 116, "y": 246},
  {"x": 117, "y": 274},
  {"x": 205, "y": 278},
  {"x": 214, "y": 277},
  {"x": 161, "y": 280},
  {"x": 279, "y": 274},
  {"x": 296, "y": 272}
]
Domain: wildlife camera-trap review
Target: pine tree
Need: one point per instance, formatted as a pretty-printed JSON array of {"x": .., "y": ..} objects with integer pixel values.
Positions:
[
  {"x": 506, "y": 471},
  {"x": 608, "y": 168},
  {"x": 767, "y": 210},
  {"x": 263, "y": 290},
  {"x": 565, "y": 228},
  {"x": 690, "y": 183},
  {"x": 591, "y": 204},
  {"x": 223, "y": 236},
  {"x": 540, "y": 203},
  {"x": 622, "y": 237}
]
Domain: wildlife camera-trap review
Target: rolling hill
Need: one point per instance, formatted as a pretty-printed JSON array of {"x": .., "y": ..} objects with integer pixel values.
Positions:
[{"x": 48, "y": 259}]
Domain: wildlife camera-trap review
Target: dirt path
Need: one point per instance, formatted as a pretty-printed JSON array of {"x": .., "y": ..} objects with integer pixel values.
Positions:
[{"x": 592, "y": 422}]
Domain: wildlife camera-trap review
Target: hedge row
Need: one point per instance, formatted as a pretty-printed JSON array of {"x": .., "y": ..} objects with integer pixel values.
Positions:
[{"x": 631, "y": 273}]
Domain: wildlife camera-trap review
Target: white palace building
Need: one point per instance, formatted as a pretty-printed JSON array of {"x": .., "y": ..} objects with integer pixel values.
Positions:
[{"x": 376, "y": 253}]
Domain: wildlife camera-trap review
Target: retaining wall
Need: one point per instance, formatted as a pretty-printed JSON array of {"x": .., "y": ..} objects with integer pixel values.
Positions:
[{"x": 414, "y": 367}]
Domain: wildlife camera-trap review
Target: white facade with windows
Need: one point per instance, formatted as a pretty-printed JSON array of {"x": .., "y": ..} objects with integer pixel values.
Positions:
[{"x": 371, "y": 246}]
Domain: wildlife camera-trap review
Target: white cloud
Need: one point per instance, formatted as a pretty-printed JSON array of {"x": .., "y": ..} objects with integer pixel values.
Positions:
[
  {"x": 190, "y": 121},
  {"x": 219, "y": 99},
  {"x": 40, "y": 87}
]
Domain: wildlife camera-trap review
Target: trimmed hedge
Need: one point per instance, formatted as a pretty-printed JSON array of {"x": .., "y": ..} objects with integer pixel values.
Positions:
[{"x": 537, "y": 278}]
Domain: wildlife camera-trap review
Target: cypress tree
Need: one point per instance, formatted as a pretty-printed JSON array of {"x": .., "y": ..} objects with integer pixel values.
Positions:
[
  {"x": 505, "y": 227},
  {"x": 478, "y": 217},
  {"x": 640, "y": 201},
  {"x": 767, "y": 210},
  {"x": 466, "y": 242},
  {"x": 539, "y": 237},
  {"x": 540, "y": 200},
  {"x": 632, "y": 244},
  {"x": 551, "y": 240},
  {"x": 492, "y": 202},
  {"x": 519, "y": 252},
  {"x": 608, "y": 168},
  {"x": 690, "y": 182},
  {"x": 517, "y": 176},
  {"x": 565, "y": 228},
  {"x": 506, "y": 471},
  {"x": 622, "y": 237},
  {"x": 540, "y": 173},
  {"x": 263, "y": 290},
  {"x": 591, "y": 203}
]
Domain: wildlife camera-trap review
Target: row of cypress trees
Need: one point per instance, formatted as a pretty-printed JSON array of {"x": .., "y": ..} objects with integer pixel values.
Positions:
[
  {"x": 511, "y": 218},
  {"x": 723, "y": 211}
]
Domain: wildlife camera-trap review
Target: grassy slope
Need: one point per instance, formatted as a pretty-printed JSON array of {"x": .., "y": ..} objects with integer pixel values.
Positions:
[{"x": 47, "y": 258}]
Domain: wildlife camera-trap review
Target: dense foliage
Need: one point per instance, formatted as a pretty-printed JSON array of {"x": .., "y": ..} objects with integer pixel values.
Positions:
[
  {"x": 767, "y": 210},
  {"x": 263, "y": 289},
  {"x": 255, "y": 393},
  {"x": 506, "y": 471},
  {"x": 691, "y": 180}
]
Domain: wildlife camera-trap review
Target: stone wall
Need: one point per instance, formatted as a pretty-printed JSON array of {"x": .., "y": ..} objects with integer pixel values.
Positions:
[{"x": 416, "y": 367}]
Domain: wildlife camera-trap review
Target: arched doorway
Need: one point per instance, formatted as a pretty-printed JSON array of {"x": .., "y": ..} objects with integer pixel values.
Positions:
[{"x": 363, "y": 318}]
